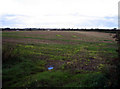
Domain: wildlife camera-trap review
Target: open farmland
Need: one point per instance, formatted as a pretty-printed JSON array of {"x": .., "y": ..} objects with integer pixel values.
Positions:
[{"x": 78, "y": 58}]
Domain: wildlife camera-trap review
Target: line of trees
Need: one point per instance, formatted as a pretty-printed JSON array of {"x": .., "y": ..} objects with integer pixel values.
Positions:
[{"x": 56, "y": 29}]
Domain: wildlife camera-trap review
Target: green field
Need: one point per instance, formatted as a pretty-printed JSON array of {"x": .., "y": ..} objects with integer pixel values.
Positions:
[{"x": 78, "y": 58}]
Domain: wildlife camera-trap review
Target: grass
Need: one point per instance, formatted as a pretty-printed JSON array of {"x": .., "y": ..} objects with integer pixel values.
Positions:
[
  {"x": 74, "y": 36},
  {"x": 63, "y": 79},
  {"x": 75, "y": 65}
]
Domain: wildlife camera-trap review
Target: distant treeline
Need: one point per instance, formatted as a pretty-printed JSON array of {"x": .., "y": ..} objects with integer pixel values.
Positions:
[{"x": 55, "y": 29}]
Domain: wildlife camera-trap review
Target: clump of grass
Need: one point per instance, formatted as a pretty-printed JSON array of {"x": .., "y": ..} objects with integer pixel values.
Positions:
[
  {"x": 74, "y": 36},
  {"x": 59, "y": 35}
]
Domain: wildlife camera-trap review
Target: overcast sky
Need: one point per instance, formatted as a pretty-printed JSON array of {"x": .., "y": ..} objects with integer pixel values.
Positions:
[{"x": 59, "y": 13}]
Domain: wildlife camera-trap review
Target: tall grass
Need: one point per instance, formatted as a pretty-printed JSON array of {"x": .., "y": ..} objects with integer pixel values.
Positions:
[{"x": 112, "y": 70}]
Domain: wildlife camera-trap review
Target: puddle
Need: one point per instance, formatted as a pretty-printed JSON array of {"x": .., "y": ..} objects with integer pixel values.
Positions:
[{"x": 50, "y": 68}]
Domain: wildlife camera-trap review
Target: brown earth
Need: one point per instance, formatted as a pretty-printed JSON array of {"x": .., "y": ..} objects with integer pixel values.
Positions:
[{"x": 59, "y": 37}]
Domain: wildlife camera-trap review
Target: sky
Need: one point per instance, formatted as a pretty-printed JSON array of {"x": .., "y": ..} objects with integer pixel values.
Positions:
[{"x": 59, "y": 13}]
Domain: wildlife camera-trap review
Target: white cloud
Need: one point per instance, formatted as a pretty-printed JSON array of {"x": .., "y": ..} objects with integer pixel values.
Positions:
[{"x": 58, "y": 13}]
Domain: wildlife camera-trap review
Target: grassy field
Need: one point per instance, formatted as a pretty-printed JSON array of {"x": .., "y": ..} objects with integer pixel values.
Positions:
[{"x": 78, "y": 58}]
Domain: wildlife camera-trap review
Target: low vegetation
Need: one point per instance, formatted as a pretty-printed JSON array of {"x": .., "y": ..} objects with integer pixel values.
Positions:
[{"x": 78, "y": 59}]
